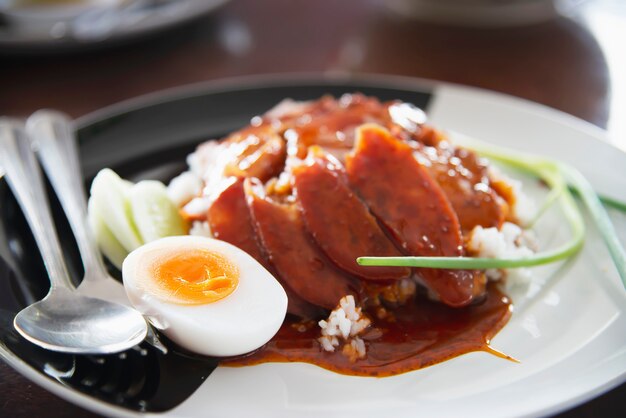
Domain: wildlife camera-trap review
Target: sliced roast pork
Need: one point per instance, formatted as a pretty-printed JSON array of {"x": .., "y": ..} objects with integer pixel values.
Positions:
[
  {"x": 230, "y": 221},
  {"x": 290, "y": 250},
  {"x": 340, "y": 222},
  {"x": 404, "y": 196}
]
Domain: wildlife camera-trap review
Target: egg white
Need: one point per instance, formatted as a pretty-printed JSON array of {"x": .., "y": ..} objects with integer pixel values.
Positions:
[{"x": 239, "y": 323}]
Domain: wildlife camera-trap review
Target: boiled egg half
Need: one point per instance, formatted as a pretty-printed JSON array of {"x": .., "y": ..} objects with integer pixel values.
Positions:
[{"x": 206, "y": 295}]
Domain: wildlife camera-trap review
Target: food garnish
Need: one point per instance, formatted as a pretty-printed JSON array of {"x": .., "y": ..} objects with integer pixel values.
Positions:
[{"x": 124, "y": 215}]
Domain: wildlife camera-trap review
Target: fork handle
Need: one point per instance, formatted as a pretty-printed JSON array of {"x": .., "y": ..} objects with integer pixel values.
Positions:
[
  {"x": 24, "y": 177},
  {"x": 53, "y": 135}
]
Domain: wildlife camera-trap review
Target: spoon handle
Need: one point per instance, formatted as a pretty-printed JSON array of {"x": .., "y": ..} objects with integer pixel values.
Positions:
[
  {"x": 52, "y": 133},
  {"x": 24, "y": 177}
]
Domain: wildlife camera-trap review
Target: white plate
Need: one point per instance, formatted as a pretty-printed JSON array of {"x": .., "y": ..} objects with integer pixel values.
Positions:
[{"x": 568, "y": 329}]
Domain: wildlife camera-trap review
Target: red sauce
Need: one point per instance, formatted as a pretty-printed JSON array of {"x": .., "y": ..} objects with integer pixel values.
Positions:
[{"x": 422, "y": 334}]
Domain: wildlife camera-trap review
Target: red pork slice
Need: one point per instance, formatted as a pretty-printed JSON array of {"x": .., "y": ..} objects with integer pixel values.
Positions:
[
  {"x": 292, "y": 253},
  {"x": 230, "y": 221},
  {"x": 465, "y": 181},
  {"x": 339, "y": 221},
  {"x": 255, "y": 152},
  {"x": 404, "y": 196}
]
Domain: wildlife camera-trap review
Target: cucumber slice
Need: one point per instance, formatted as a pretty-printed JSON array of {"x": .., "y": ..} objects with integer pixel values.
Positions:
[
  {"x": 154, "y": 213},
  {"x": 109, "y": 196},
  {"x": 108, "y": 244}
]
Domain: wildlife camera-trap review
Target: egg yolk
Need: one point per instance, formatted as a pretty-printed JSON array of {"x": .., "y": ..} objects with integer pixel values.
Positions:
[{"x": 195, "y": 277}]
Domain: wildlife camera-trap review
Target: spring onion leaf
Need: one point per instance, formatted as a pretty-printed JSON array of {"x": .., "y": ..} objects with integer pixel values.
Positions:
[
  {"x": 556, "y": 175},
  {"x": 552, "y": 197},
  {"x": 606, "y": 201},
  {"x": 603, "y": 222}
]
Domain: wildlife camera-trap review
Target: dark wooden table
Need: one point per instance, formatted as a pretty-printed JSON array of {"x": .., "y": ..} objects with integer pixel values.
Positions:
[{"x": 567, "y": 64}]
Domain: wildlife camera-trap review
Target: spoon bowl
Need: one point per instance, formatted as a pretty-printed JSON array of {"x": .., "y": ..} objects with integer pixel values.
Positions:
[{"x": 65, "y": 322}]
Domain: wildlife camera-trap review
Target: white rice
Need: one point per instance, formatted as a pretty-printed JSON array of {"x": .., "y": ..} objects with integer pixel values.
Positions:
[
  {"x": 344, "y": 325},
  {"x": 524, "y": 208},
  {"x": 355, "y": 349},
  {"x": 287, "y": 107},
  {"x": 508, "y": 242},
  {"x": 198, "y": 206},
  {"x": 200, "y": 229},
  {"x": 204, "y": 157},
  {"x": 184, "y": 187}
]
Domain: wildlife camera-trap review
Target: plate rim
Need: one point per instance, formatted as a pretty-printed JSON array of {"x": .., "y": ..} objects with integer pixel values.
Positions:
[
  {"x": 279, "y": 79},
  {"x": 302, "y": 79}
]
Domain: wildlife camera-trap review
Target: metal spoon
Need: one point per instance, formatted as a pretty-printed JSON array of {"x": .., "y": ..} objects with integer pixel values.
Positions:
[
  {"x": 53, "y": 135},
  {"x": 64, "y": 320}
]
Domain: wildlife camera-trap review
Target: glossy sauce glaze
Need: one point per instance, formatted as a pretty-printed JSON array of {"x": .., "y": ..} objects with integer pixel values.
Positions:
[
  {"x": 349, "y": 177},
  {"x": 419, "y": 334}
]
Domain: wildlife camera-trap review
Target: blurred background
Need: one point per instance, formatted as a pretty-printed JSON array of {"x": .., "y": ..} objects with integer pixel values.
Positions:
[{"x": 81, "y": 55}]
